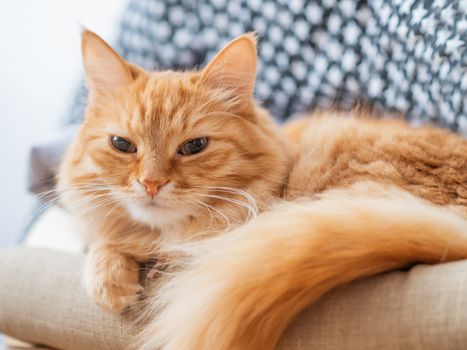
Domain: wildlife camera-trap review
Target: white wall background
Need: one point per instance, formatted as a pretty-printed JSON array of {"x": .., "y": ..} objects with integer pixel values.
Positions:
[{"x": 40, "y": 67}]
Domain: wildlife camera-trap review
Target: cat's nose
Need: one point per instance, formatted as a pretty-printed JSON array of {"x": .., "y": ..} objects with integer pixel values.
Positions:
[{"x": 153, "y": 186}]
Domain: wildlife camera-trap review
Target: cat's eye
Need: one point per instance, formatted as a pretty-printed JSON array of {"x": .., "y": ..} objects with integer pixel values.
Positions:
[
  {"x": 123, "y": 145},
  {"x": 193, "y": 146}
]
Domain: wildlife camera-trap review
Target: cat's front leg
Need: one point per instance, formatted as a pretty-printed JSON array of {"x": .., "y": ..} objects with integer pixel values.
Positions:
[{"x": 111, "y": 278}]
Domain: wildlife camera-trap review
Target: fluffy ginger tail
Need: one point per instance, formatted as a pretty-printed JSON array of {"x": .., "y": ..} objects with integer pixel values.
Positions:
[{"x": 241, "y": 290}]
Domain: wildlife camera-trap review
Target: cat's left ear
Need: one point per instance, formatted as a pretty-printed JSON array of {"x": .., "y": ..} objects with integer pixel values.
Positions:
[{"x": 234, "y": 67}]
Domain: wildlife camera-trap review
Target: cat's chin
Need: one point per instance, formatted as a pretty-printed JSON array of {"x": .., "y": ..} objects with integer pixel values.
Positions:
[{"x": 157, "y": 216}]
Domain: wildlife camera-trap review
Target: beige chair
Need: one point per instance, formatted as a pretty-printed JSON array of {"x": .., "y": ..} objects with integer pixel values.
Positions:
[{"x": 42, "y": 301}]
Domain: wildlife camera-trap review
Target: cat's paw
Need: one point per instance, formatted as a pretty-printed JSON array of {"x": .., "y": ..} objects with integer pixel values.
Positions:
[{"x": 112, "y": 282}]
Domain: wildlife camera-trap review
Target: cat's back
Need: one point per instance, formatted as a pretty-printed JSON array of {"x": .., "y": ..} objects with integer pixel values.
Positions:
[{"x": 332, "y": 151}]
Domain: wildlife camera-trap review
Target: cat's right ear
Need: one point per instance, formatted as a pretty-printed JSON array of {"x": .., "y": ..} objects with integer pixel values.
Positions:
[{"x": 105, "y": 70}]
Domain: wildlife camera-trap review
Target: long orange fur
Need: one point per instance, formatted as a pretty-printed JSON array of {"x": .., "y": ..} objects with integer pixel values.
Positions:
[{"x": 263, "y": 221}]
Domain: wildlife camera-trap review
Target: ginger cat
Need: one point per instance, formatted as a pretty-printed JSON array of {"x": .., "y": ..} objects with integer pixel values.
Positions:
[{"x": 259, "y": 222}]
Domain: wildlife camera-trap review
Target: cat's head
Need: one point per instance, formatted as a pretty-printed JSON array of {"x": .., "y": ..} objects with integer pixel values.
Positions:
[{"x": 168, "y": 146}]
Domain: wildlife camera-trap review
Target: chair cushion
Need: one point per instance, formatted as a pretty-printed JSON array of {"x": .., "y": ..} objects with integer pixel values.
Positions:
[{"x": 42, "y": 300}]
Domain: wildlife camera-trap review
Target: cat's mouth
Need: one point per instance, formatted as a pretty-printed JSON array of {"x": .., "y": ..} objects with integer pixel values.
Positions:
[
  {"x": 156, "y": 213},
  {"x": 155, "y": 205}
]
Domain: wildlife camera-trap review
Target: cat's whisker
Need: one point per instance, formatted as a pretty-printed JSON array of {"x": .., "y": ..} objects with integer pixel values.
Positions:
[
  {"x": 92, "y": 202},
  {"x": 42, "y": 208},
  {"x": 236, "y": 191},
  {"x": 201, "y": 204},
  {"x": 45, "y": 193},
  {"x": 92, "y": 208},
  {"x": 249, "y": 208},
  {"x": 57, "y": 195},
  {"x": 226, "y": 219},
  {"x": 89, "y": 198}
]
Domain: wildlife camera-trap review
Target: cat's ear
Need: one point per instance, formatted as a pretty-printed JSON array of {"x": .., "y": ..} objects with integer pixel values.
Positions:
[
  {"x": 105, "y": 70},
  {"x": 234, "y": 67}
]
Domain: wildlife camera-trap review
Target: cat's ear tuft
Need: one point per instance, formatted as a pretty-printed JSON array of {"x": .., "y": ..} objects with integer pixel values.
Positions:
[
  {"x": 105, "y": 70},
  {"x": 234, "y": 67}
]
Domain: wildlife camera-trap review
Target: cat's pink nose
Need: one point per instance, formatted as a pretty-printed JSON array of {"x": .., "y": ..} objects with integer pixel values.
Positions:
[{"x": 154, "y": 186}]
